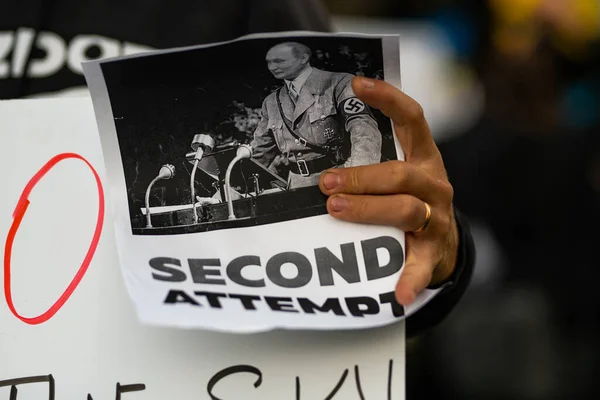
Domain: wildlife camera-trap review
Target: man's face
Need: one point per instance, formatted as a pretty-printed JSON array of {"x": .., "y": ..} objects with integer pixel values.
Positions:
[{"x": 283, "y": 64}]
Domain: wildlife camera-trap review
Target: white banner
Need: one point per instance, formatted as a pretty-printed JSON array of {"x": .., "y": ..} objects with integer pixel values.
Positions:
[{"x": 68, "y": 330}]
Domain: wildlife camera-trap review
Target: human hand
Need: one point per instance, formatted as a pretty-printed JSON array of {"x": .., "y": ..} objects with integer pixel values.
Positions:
[
  {"x": 280, "y": 163},
  {"x": 396, "y": 193}
]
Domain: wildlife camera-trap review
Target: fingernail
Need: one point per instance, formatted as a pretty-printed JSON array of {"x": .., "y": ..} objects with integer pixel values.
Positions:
[
  {"x": 412, "y": 296},
  {"x": 339, "y": 204},
  {"x": 331, "y": 180},
  {"x": 367, "y": 83},
  {"x": 406, "y": 298}
]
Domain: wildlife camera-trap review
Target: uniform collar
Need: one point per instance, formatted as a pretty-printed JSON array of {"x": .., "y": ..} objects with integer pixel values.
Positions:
[{"x": 300, "y": 79}]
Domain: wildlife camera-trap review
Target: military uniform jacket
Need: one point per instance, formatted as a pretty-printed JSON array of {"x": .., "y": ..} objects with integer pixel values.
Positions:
[{"x": 326, "y": 109}]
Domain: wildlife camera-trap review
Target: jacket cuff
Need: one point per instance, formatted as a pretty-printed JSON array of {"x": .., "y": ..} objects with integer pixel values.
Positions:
[{"x": 454, "y": 287}]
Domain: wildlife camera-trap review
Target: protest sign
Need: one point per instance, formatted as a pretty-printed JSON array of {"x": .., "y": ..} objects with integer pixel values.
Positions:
[
  {"x": 213, "y": 157},
  {"x": 66, "y": 339}
]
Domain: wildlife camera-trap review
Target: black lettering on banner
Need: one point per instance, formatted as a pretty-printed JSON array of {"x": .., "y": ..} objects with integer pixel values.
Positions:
[
  {"x": 173, "y": 274},
  {"x": 358, "y": 385},
  {"x": 370, "y": 306},
  {"x": 179, "y": 296},
  {"x": 235, "y": 267},
  {"x": 247, "y": 300},
  {"x": 236, "y": 369},
  {"x": 397, "y": 308},
  {"x": 129, "y": 388},
  {"x": 301, "y": 263},
  {"x": 331, "y": 304},
  {"x": 390, "y": 367},
  {"x": 13, "y": 383},
  {"x": 214, "y": 380},
  {"x": 327, "y": 262},
  {"x": 138, "y": 387},
  {"x": 213, "y": 298},
  {"x": 394, "y": 248},
  {"x": 333, "y": 392},
  {"x": 277, "y": 304},
  {"x": 200, "y": 272}
]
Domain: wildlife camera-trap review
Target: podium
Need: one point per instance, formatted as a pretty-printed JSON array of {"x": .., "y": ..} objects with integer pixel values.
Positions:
[{"x": 260, "y": 196}]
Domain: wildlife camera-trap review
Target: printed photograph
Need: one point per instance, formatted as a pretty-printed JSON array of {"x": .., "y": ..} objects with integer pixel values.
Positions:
[{"x": 237, "y": 134}]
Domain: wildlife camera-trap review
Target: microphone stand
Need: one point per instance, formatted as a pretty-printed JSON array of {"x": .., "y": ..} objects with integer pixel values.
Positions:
[
  {"x": 243, "y": 151},
  {"x": 167, "y": 171},
  {"x": 201, "y": 144}
]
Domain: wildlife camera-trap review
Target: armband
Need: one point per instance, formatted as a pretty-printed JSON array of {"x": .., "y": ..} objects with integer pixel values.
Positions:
[{"x": 354, "y": 107}]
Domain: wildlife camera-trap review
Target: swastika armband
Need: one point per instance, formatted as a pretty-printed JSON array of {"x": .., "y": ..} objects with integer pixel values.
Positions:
[{"x": 354, "y": 107}]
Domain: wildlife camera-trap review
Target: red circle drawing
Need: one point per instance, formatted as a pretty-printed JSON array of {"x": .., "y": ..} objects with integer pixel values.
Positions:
[{"x": 18, "y": 215}]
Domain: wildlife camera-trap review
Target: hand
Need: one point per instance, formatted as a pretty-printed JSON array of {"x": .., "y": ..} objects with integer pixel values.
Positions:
[
  {"x": 280, "y": 164},
  {"x": 394, "y": 193}
]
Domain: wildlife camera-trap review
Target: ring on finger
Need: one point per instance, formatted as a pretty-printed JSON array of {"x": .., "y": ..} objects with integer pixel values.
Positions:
[{"x": 427, "y": 218}]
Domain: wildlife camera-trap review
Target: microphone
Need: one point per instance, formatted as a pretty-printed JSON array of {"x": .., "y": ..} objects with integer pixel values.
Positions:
[
  {"x": 202, "y": 143},
  {"x": 243, "y": 151},
  {"x": 167, "y": 171}
]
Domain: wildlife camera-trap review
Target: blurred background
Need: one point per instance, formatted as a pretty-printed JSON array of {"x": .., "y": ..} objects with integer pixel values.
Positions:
[{"x": 511, "y": 89}]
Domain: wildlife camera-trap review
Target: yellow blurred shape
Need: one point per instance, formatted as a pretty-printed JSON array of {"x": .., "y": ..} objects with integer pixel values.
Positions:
[{"x": 518, "y": 24}]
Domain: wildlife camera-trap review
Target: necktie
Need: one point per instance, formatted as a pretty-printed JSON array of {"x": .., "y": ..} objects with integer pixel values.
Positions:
[{"x": 293, "y": 93}]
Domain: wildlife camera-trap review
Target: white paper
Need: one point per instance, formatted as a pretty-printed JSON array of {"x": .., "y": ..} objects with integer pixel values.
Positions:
[
  {"x": 95, "y": 342},
  {"x": 251, "y": 271}
]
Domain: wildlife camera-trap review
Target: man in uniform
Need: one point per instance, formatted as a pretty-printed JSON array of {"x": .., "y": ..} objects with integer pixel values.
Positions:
[{"x": 313, "y": 122}]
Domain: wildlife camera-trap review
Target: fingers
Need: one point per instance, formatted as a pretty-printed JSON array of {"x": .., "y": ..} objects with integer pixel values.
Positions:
[
  {"x": 395, "y": 104},
  {"x": 416, "y": 275},
  {"x": 402, "y": 211},
  {"x": 395, "y": 193},
  {"x": 407, "y": 114},
  {"x": 278, "y": 160},
  {"x": 392, "y": 177}
]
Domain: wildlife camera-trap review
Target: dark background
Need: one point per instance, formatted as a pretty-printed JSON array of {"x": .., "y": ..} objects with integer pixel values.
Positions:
[
  {"x": 526, "y": 173},
  {"x": 160, "y": 102}
]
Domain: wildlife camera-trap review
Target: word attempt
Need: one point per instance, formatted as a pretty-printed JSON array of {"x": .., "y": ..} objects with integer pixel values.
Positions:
[
  {"x": 224, "y": 377},
  {"x": 355, "y": 306}
]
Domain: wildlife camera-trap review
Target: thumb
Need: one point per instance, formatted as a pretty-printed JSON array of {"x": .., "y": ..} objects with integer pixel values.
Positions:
[{"x": 413, "y": 280}]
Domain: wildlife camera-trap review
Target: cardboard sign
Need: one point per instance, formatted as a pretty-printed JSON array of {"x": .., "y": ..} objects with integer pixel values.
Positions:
[{"x": 68, "y": 330}]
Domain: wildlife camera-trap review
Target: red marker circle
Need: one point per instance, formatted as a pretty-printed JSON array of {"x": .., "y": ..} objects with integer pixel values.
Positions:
[{"x": 18, "y": 215}]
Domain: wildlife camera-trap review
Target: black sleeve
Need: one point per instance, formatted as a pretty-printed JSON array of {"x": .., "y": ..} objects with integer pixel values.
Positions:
[
  {"x": 439, "y": 307},
  {"x": 287, "y": 15}
]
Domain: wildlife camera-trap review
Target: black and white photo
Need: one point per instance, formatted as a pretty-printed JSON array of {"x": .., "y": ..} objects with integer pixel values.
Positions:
[{"x": 237, "y": 134}]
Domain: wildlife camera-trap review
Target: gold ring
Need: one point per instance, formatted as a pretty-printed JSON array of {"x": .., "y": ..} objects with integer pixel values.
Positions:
[{"x": 427, "y": 218}]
